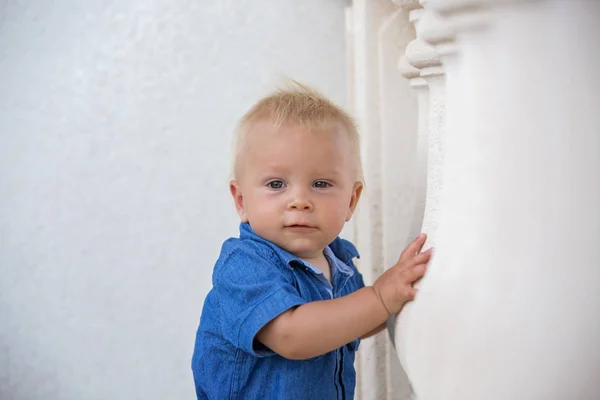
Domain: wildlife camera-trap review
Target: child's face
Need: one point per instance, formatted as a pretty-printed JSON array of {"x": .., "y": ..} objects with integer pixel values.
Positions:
[{"x": 296, "y": 187}]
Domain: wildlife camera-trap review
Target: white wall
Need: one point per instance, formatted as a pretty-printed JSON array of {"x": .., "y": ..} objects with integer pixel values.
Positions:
[{"x": 115, "y": 122}]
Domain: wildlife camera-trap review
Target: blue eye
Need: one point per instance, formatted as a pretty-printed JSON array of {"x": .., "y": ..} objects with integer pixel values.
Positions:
[
  {"x": 276, "y": 185},
  {"x": 321, "y": 184}
]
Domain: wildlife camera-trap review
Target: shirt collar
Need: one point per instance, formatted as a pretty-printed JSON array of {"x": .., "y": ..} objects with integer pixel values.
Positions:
[{"x": 341, "y": 248}]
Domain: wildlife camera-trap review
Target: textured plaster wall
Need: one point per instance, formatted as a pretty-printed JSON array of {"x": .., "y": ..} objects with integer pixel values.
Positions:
[{"x": 115, "y": 121}]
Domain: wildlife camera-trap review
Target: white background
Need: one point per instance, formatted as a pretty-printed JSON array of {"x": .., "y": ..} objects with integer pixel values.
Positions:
[{"x": 115, "y": 127}]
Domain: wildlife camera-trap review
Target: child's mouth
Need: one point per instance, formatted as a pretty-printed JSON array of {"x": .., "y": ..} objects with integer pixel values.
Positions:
[{"x": 300, "y": 227}]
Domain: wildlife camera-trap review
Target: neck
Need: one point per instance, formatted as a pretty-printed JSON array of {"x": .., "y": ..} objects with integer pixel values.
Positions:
[
  {"x": 320, "y": 262},
  {"x": 315, "y": 258}
]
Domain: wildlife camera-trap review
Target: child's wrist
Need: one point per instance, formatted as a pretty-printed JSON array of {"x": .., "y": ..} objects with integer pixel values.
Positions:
[{"x": 380, "y": 299}]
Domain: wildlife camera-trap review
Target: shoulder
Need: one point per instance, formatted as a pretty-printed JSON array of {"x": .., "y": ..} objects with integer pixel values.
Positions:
[
  {"x": 243, "y": 259},
  {"x": 344, "y": 250},
  {"x": 233, "y": 248}
]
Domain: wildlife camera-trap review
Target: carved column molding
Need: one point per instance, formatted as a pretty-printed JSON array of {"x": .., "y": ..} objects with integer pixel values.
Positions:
[
  {"x": 423, "y": 57},
  {"x": 419, "y": 84},
  {"x": 386, "y": 110},
  {"x": 508, "y": 309}
]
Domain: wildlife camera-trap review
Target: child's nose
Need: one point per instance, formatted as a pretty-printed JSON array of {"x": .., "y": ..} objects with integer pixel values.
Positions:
[{"x": 300, "y": 203}]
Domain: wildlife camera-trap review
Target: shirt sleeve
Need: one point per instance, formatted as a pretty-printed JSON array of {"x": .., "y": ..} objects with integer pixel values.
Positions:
[{"x": 252, "y": 291}]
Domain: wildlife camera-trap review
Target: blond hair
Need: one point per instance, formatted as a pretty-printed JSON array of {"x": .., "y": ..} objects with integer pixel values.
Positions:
[{"x": 299, "y": 105}]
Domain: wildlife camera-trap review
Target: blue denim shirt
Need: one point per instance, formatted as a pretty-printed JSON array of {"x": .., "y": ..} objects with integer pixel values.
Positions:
[{"x": 254, "y": 281}]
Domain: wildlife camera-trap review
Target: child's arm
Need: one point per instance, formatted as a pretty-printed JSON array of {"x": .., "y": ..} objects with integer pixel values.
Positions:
[
  {"x": 319, "y": 327},
  {"x": 374, "y": 331}
]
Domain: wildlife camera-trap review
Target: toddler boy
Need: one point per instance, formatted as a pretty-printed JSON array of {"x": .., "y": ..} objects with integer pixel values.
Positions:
[{"x": 288, "y": 307}]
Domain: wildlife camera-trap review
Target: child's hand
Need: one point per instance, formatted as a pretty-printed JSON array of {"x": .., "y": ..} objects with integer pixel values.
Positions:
[{"x": 394, "y": 286}]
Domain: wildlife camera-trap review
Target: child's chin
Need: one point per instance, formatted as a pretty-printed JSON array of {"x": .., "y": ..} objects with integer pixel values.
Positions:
[{"x": 303, "y": 247}]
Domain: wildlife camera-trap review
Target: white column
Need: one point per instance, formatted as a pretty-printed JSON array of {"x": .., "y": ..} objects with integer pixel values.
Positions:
[
  {"x": 419, "y": 84},
  {"x": 509, "y": 307},
  {"x": 386, "y": 110},
  {"x": 424, "y": 58},
  {"x": 401, "y": 196}
]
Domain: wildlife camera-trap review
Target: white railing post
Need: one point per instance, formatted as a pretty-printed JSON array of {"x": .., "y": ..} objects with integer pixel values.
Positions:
[
  {"x": 508, "y": 308},
  {"x": 386, "y": 110},
  {"x": 422, "y": 58}
]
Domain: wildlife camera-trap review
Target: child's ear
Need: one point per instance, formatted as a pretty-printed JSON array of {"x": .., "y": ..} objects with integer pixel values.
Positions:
[
  {"x": 238, "y": 199},
  {"x": 356, "y": 192}
]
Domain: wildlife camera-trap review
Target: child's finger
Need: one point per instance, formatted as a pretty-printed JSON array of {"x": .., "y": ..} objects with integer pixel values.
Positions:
[
  {"x": 413, "y": 248},
  {"x": 411, "y": 293},
  {"x": 414, "y": 273},
  {"x": 421, "y": 258}
]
